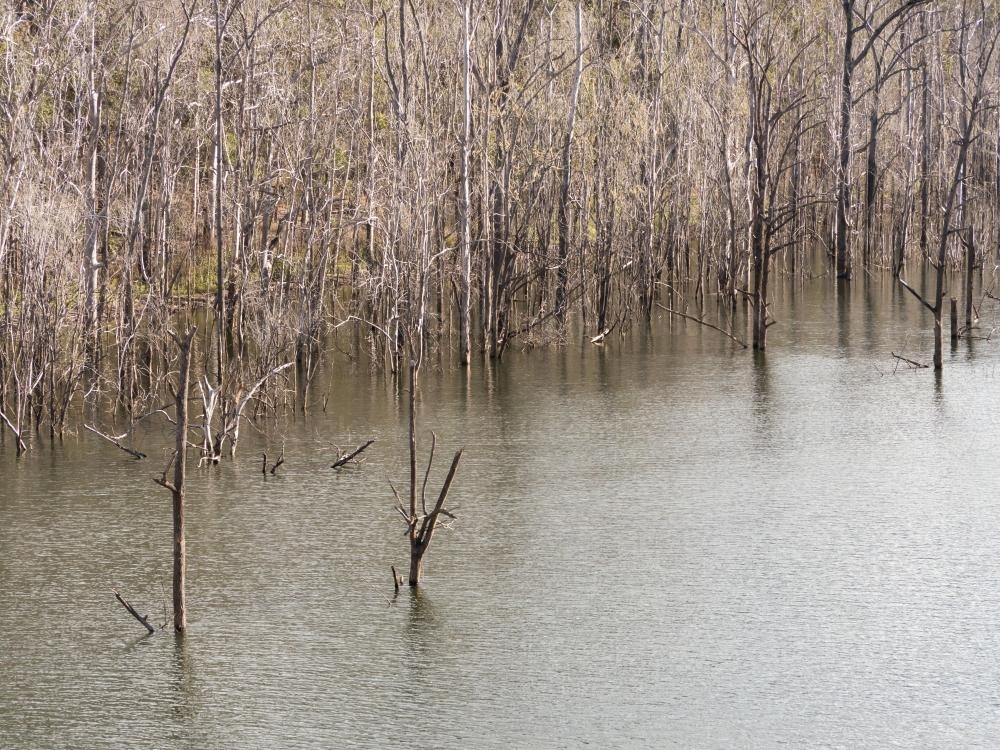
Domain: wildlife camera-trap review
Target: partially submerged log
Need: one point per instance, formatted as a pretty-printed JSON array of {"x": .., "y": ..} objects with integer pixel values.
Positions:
[
  {"x": 910, "y": 362},
  {"x": 347, "y": 457},
  {"x": 143, "y": 619}
]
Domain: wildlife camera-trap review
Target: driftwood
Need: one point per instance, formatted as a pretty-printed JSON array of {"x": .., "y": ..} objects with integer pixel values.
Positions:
[
  {"x": 143, "y": 619},
  {"x": 116, "y": 441},
  {"x": 910, "y": 362},
  {"x": 345, "y": 458},
  {"x": 705, "y": 323}
]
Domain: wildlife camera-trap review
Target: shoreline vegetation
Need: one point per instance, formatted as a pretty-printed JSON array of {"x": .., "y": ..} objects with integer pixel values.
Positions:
[{"x": 271, "y": 171}]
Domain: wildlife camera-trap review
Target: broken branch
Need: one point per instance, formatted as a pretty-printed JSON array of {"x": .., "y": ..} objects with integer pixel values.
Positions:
[
  {"x": 349, "y": 456},
  {"x": 116, "y": 441},
  {"x": 162, "y": 479},
  {"x": 427, "y": 527},
  {"x": 910, "y": 362},
  {"x": 143, "y": 619},
  {"x": 705, "y": 323},
  {"x": 918, "y": 295}
]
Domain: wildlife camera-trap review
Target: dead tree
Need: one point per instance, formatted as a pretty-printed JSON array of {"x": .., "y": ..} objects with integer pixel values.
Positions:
[
  {"x": 864, "y": 23},
  {"x": 465, "y": 202},
  {"x": 889, "y": 58},
  {"x": 420, "y": 524},
  {"x": 25, "y": 386},
  {"x": 777, "y": 119},
  {"x": 229, "y": 400},
  {"x": 176, "y": 487},
  {"x": 566, "y": 173},
  {"x": 972, "y": 106}
]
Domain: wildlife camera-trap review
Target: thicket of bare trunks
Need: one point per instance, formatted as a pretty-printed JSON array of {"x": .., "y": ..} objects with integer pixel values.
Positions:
[{"x": 481, "y": 167}]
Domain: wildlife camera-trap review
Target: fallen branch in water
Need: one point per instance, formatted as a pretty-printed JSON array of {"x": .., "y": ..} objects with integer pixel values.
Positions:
[
  {"x": 919, "y": 296},
  {"x": 116, "y": 441},
  {"x": 143, "y": 619},
  {"x": 910, "y": 362},
  {"x": 350, "y": 456},
  {"x": 705, "y": 323}
]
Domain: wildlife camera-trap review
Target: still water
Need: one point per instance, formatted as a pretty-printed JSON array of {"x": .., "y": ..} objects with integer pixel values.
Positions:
[{"x": 665, "y": 542}]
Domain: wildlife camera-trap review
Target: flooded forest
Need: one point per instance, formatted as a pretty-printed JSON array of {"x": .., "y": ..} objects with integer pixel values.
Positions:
[{"x": 460, "y": 179}]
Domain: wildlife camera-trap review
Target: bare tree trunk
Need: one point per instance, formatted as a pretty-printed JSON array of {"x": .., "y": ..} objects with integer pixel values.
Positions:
[
  {"x": 220, "y": 297},
  {"x": 567, "y": 166},
  {"x": 843, "y": 249},
  {"x": 972, "y": 103},
  {"x": 925, "y": 157},
  {"x": 465, "y": 238},
  {"x": 176, "y": 487},
  {"x": 180, "y": 468},
  {"x": 856, "y": 20},
  {"x": 971, "y": 263},
  {"x": 91, "y": 260}
]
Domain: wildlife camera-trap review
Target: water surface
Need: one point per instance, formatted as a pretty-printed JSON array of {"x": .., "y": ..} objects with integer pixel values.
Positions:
[{"x": 663, "y": 542}]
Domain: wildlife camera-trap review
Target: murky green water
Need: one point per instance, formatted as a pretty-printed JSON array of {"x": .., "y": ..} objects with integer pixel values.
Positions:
[{"x": 665, "y": 542}]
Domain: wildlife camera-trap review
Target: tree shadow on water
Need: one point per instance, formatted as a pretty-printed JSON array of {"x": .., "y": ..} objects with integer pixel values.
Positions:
[
  {"x": 761, "y": 394},
  {"x": 421, "y": 614},
  {"x": 182, "y": 681}
]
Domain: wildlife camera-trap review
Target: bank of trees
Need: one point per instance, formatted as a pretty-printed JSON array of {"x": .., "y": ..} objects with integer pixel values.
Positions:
[{"x": 276, "y": 168}]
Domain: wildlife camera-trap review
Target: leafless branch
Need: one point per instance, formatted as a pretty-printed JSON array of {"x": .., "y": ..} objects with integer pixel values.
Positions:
[
  {"x": 115, "y": 441},
  {"x": 142, "y": 619},
  {"x": 351, "y": 456}
]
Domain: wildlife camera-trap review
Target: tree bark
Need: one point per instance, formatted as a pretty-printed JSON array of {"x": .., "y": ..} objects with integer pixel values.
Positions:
[
  {"x": 465, "y": 205},
  {"x": 91, "y": 260},
  {"x": 180, "y": 467},
  {"x": 416, "y": 567},
  {"x": 971, "y": 263},
  {"x": 176, "y": 487},
  {"x": 220, "y": 297},
  {"x": 843, "y": 249},
  {"x": 567, "y": 167}
]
